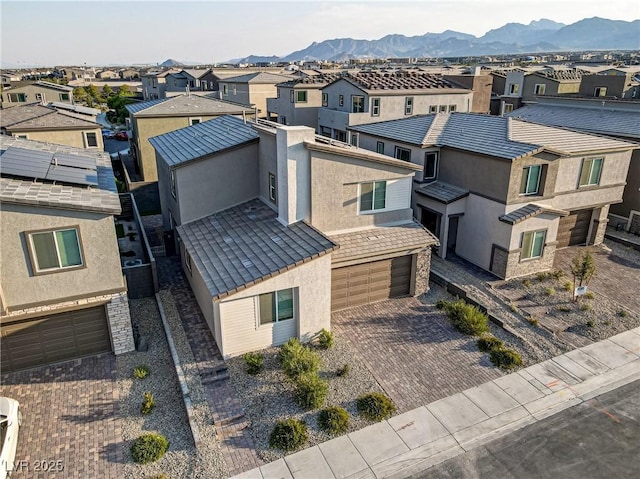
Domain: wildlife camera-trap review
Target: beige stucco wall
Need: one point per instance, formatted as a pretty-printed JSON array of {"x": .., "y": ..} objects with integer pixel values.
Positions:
[
  {"x": 48, "y": 95},
  {"x": 631, "y": 196},
  {"x": 550, "y": 164},
  {"x": 296, "y": 113},
  {"x": 267, "y": 154},
  {"x": 542, "y": 222},
  {"x": 100, "y": 254},
  {"x": 75, "y": 138}
]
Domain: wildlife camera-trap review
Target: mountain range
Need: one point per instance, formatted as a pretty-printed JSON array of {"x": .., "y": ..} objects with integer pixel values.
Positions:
[{"x": 538, "y": 36}]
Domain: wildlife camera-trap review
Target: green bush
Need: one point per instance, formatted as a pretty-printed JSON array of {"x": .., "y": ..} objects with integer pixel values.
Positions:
[
  {"x": 375, "y": 406},
  {"x": 298, "y": 359},
  {"x": 622, "y": 313},
  {"x": 254, "y": 362},
  {"x": 288, "y": 435},
  {"x": 589, "y": 295},
  {"x": 567, "y": 286},
  {"x": 489, "y": 343},
  {"x": 334, "y": 420},
  {"x": 343, "y": 371},
  {"x": 557, "y": 274},
  {"x": 590, "y": 323},
  {"x": 325, "y": 339},
  {"x": 141, "y": 372},
  {"x": 466, "y": 318},
  {"x": 149, "y": 448},
  {"x": 441, "y": 304},
  {"x": 550, "y": 291},
  {"x": 505, "y": 358},
  {"x": 526, "y": 283},
  {"x": 585, "y": 307},
  {"x": 148, "y": 403},
  {"x": 542, "y": 276},
  {"x": 311, "y": 391}
]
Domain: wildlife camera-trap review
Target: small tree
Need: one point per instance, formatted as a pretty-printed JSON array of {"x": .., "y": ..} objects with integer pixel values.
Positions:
[
  {"x": 583, "y": 267},
  {"x": 107, "y": 91}
]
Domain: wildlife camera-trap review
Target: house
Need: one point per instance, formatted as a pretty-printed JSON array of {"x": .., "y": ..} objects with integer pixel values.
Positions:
[
  {"x": 39, "y": 91},
  {"x": 46, "y": 124},
  {"x": 107, "y": 75},
  {"x": 614, "y": 85},
  {"x": 507, "y": 90},
  {"x": 480, "y": 83},
  {"x": 62, "y": 293},
  {"x": 252, "y": 89},
  {"x": 185, "y": 81},
  {"x": 268, "y": 252},
  {"x": 128, "y": 74},
  {"x": 503, "y": 193},
  {"x": 154, "y": 84},
  {"x": 551, "y": 83},
  {"x": 155, "y": 117},
  {"x": 613, "y": 118},
  {"x": 366, "y": 97}
]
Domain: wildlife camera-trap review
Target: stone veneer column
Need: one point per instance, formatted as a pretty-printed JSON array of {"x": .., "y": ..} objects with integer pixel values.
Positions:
[
  {"x": 423, "y": 265},
  {"x": 120, "y": 324},
  {"x": 600, "y": 228}
]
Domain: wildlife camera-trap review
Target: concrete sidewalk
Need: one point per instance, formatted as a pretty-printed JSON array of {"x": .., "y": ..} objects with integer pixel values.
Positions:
[{"x": 431, "y": 434}]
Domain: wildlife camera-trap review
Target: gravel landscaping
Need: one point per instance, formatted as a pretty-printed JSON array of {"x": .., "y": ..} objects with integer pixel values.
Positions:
[
  {"x": 169, "y": 418},
  {"x": 268, "y": 396}
]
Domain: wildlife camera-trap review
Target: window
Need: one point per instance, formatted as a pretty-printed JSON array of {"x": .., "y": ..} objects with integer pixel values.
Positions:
[
  {"x": 340, "y": 100},
  {"x": 532, "y": 244},
  {"x": 591, "y": 169},
  {"x": 408, "y": 105},
  {"x": 39, "y": 96},
  {"x": 443, "y": 108},
  {"x": 91, "y": 140},
  {"x": 276, "y": 306},
  {"x": 172, "y": 182},
  {"x": 340, "y": 135},
  {"x": 433, "y": 109},
  {"x": 154, "y": 83},
  {"x": 514, "y": 88},
  {"x": 354, "y": 139},
  {"x": 24, "y": 137},
  {"x": 292, "y": 96},
  {"x": 452, "y": 108},
  {"x": 58, "y": 249},
  {"x": 375, "y": 107},
  {"x": 64, "y": 97},
  {"x": 225, "y": 89},
  {"x": 234, "y": 89},
  {"x": 430, "y": 165},
  {"x": 380, "y": 147},
  {"x": 273, "y": 192},
  {"x": 278, "y": 93},
  {"x": 530, "y": 182},
  {"x": 194, "y": 121},
  {"x": 508, "y": 108},
  {"x": 403, "y": 154},
  {"x": 539, "y": 89},
  {"x": 373, "y": 196},
  {"x": 187, "y": 260},
  {"x": 301, "y": 96},
  {"x": 600, "y": 91},
  {"x": 283, "y": 120},
  {"x": 17, "y": 97},
  {"x": 357, "y": 104},
  {"x": 325, "y": 99}
]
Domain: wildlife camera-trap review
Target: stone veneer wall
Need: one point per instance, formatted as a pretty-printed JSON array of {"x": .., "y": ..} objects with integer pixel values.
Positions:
[
  {"x": 423, "y": 266},
  {"x": 634, "y": 226},
  {"x": 120, "y": 324},
  {"x": 599, "y": 228},
  {"x": 507, "y": 264}
]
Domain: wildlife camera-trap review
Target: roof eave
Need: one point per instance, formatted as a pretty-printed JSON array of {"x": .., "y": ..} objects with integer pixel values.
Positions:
[{"x": 361, "y": 155}]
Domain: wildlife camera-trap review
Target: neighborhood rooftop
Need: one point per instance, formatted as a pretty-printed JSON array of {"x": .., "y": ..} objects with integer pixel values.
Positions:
[
  {"x": 136, "y": 107},
  {"x": 401, "y": 80},
  {"x": 20, "y": 113},
  {"x": 258, "y": 77},
  {"x": 53, "y": 120},
  {"x": 243, "y": 245},
  {"x": 560, "y": 75},
  {"x": 442, "y": 192},
  {"x": 192, "y": 105},
  {"x": 529, "y": 211},
  {"x": 321, "y": 79}
]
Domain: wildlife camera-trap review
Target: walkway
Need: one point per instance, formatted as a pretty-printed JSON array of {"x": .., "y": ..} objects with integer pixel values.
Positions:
[{"x": 428, "y": 435}]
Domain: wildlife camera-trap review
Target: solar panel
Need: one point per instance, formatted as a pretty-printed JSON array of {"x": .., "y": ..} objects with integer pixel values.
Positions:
[
  {"x": 69, "y": 174},
  {"x": 25, "y": 163}
]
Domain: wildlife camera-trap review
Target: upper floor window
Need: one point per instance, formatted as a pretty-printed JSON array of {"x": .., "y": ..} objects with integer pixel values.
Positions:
[
  {"x": 431, "y": 165},
  {"x": 194, "y": 121},
  {"x": 375, "y": 107},
  {"x": 357, "y": 104},
  {"x": 508, "y": 107},
  {"x": 17, "y": 97},
  {"x": 276, "y": 306},
  {"x": 530, "y": 182},
  {"x": 91, "y": 140},
  {"x": 225, "y": 89},
  {"x": 443, "y": 108},
  {"x": 600, "y": 91},
  {"x": 301, "y": 96},
  {"x": 514, "y": 88},
  {"x": 325, "y": 99},
  {"x": 433, "y": 109},
  {"x": 373, "y": 196},
  {"x": 273, "y": 192},
  {"x": 591, "y": 170},
  {"x": 64, "y": 97},
  {"x": 403, "y": 153},
  {"x": 408, "y": 105},
  {"x": 340, "y": 100},
  {"x": 40, "y": 96},
  {"x": 452, "y": 108},
  {"x": 380, "y": 147},
  {"x": 532, "y": 244},
  {"x": 539, "y": 89},
  {"x": 172, "y": 182},
  {"x": 56, "y": 249}
]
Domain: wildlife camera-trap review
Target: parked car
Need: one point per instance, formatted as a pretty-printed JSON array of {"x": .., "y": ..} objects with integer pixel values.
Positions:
[
  {"x": 10, "y": 421},
  {"x": 108, "y": 134},
  {"x": 122, "y": 135}
]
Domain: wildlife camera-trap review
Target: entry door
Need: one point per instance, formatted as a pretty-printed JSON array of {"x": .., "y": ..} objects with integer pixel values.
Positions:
[
  {"x": 452, "y": 237},
  {"x": 431, "y": 221}
]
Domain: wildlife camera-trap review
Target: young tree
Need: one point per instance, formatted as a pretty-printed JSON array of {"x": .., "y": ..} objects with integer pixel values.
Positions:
[
  {"x": 79, "y": 94},
  {"x": 125, "y": 91},
  {"x": 583, "y": 267},
  {"x": 107, "y": 91}
]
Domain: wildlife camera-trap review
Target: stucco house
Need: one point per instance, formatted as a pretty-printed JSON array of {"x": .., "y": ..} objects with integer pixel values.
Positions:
[
  {"x": 156, "y": 117},
  {"x": 275, "y": 254},
  {"x": 186, "y": 80},
  {"x": 503, "y": 193},
  {"x": 39, "y": 91},
  {"x": 62, "y": 292},
  {"x": 154, "y": 84},
  {"x": 614, "y": 84},
  {"x": 252, "y": 89}
]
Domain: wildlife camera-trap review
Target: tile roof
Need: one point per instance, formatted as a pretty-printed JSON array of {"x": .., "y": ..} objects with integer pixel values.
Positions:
[
  {"x": 243, "y": 245},
  {"x": 202, "y": 139},
  {"x": 529, "y": 211},
  {"x": 560, "y": 75},
  {"x": 442, "y": 192},
  {"x": 258, "y": 77},
  {"x": 196, "y": 73},
  {"x": 401, "y": 80},
  {"x": 136, "y": 107},
  {"x": 381, "y": 240},
  {"x": 191, "y": 105},
  {"x": 315, "y": 80},
  {"x": 54, "y": 120},
  {"x": 20, "y": 113},
  {"x": 55, "y": 86},
  {"x": 103, "y": 198},
  {"x": 85, "y": 110}
]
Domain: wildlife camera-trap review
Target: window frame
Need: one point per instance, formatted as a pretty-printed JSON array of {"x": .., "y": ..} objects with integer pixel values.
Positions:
[
  {"x": 433, "y": 109},
  {"x": 194, "y": 119},
  {"x": 436, "y": 156},
  {"x": 360, "y": 100},
  {"x": 535, "y": 192},
  {"x": 380, "y": 147},
  {"x": 225, "y": 89},
  {"x": 375, "y": 106},
  {"x": 273, "y": 188},
  {"x": 408, "y": 105},
  {"x": 86, "y": 139},
  {"x": 591, "y": 161},
  {"x": 600, "y": 91},
  {"x": 373, "y": 209},
  {"x": 398, "y": 149},
  {"x": 65, "y": 97},
  {"x": 33, "y": 257},
  {"x": 340, "y": 100},
  {"x": 529, "y": 254},
  {"x": 172, "y": 182},
  {"x": 275, "y": 312},
  {"x": 508, "y": 108},
  {"x": 19, "y": 97},
  {"x": 514, "y": 88},
  {"x": 304, "y": 94},
  {"x": 325, "y": 99},
  {"x": 539, "y": 89},
  {"x": 452, "y": 108}
]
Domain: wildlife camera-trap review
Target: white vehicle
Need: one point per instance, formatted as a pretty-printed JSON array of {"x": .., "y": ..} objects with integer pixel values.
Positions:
[{"x": 10, "y": 421}]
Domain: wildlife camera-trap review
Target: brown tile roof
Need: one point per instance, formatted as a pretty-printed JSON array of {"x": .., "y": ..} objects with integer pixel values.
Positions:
[{"x": 402, "y": 80}]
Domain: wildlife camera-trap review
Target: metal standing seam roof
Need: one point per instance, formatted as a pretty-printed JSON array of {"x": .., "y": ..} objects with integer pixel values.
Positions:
[
  {"x": 246, "y": 244},
  {"x": 136, "y": 107},
  {"x": 442, "y": 192},
  {"x": 202, "y": 139},
  {"x": 191, "y": 105},
  {"x": 257, "y": 77},
  {"x": 529, "y": 211}
]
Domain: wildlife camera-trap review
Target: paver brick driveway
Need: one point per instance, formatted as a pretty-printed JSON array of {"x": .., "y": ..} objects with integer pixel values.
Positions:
[
  {"x": 413, "y": 351},
  {"x": 69, "y": 414}
]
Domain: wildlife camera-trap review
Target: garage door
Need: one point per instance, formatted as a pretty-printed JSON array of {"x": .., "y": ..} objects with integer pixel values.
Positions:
[
  {"x": 58, "y": 337},
  {"x": 369, "y": 282},
  {"x": 573, "y": 229}
]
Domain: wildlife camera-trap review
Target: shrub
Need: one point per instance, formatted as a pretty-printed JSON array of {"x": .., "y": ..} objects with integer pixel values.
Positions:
[
  {"x": 505, "y": 358},
  {"x": 585, "y": 307},
  {"x": 343, "y": 371},
  {"x": 550, "y": 291},
  {"x": 288, "y": 435},
  {"x": 489, "y": 343},
  {"x": 325, "y": 339},
  {"x": 148, "y": 403},
  {"x": 533, "y": 322},
  {"x": 466, "y": 318},
  {"x": 311, "y": 391},
  {"x": 298, "y": 359},
  {"x": 254, "y": 362},
  {"x": 526, "y": 283},
  {"x": 564, "y": 309},
  {"x": 441, "y": 304},
  {"x": 589, "y": 295},
  {"x": 333, "y": 420},
  {"x": 557, "y": 274},
  {"x": 567, "y": 286},
  {"x": 591, "y": 323},
  {"x": 542, "y": 276},
  {"x": 622, "y": 313},
  {"x": 141, "y": 372},
  {"x": 375, "y": 406},
  {"x": 149, "y": 448}
]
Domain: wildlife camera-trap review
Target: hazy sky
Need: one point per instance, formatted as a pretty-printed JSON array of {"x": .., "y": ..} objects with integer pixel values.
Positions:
[{"x": 122, "y": 32}]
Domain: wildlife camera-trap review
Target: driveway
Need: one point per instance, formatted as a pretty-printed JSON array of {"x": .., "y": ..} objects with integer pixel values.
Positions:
[
  {"x": 70, "y": 419},
  {"x": 413, "y": 351}
]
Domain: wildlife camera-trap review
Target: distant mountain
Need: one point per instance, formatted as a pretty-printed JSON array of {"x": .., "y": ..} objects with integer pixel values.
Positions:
[
  {"x": 171, "y": 63},
  {"x": 256, "y": 59},
  {"x": 539, "y": 36}
]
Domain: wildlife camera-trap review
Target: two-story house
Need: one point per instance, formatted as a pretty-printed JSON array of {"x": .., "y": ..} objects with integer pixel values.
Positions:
[
  {"x": 366, "y": 97},
  {"x": 252, "y": 89},
  {"x": 39, "y": 91},
  {"x": 278, "y": 227},
  {"x": 186, "y": 80},
  {"x": 154, "y": 84},
  {"x": 612, "y": 85},
  {"x": 503, "y": 193},
  {"x": 551, "y": 83},
  {"x": 62, "y": 292}
]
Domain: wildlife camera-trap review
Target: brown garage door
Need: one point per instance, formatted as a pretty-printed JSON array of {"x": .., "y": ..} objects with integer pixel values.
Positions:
[
  {"x": 369, "y": 282},
  {"x": 573, "y": 229},
  {"x": 58, "y": 337}
]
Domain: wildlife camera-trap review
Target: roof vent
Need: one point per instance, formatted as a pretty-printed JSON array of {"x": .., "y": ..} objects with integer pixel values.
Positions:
[
  {"x": 228, "y": 239},
  {"x": 276, "y": 239},
  {"x": 373, "y": 238},
  {"x": 247, "y": 263}
]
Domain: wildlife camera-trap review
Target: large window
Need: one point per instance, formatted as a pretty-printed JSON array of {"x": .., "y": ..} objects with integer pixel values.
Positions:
[
  {"x": 375, "y": 107},
  {"x": 408, "y": 105},
  {"x": 357, "y": 104},
  {"x": 91, "y": 140},
  {"x": 600, "y": 91},
  {"x": 380, "y": 147},
  {"x": 430, "y": 165},
  {"x": 591, "y": 169},
  {"x": 276, "y": 306},
  {"x": 273, "y": 192},
  {"x": 532, "y": 244},
  {"x": 530, "y": 182},
  {"x": 514, "y": 88},
  {"x": 53, "y": 250},
  {"x": 17, "y": 97},
  {"x": 539, "y": 89},
  {"x": 403, "y": 153},
  {"x": 373, "y": 196},
  {"x": 325, "y": 99},
  {"x": 301, "y": 96},
  {"x": 64, "y": 97}
]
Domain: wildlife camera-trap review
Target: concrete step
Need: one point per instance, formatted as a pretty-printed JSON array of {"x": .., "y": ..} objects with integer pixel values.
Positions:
[{"x": 214, "y": 378}]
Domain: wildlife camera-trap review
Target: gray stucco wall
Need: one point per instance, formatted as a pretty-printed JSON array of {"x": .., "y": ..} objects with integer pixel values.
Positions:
[
  {"x": 631, "y": 195},
  {"x": 268, "y": 164}
]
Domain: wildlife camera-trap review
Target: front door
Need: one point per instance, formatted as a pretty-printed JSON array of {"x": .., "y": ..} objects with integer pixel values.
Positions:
[
  {"x": 431, "y": 221},
  {"x": 452, "y": 237}
]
